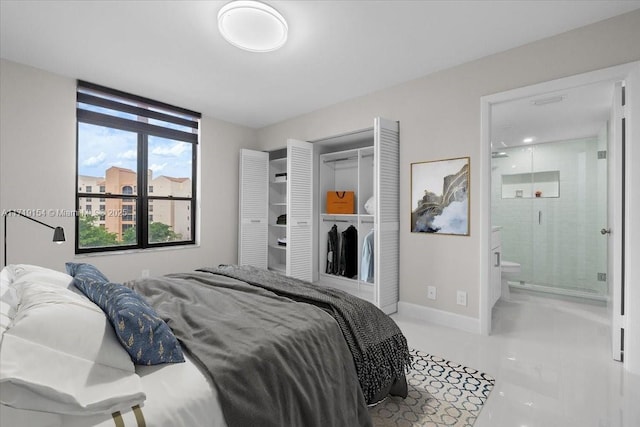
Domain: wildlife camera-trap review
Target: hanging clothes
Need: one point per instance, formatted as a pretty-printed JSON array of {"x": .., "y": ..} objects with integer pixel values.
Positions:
[
  {"x": 332, "y": 251},
  {"x": 366, "y": 266},
  {"x": 348, "y": 263}
]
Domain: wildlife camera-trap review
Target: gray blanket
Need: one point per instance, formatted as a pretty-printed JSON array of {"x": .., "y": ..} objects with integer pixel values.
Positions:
[
  {"x": 379, "y": 348},
  {"x": 275, "y": 362}
]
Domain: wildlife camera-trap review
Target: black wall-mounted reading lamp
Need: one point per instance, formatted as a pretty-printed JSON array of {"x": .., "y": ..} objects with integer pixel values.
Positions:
[{"x": 58, "y": 232}]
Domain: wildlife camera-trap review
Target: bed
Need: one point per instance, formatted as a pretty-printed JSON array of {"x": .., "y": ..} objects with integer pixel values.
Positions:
[{"x": 232, "y": 346}]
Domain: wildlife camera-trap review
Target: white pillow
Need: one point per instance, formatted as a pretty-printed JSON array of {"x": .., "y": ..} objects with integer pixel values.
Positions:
[
  {"x": 19, "y": 273},
  {"x": 33, "y": 273},
  {"x": 6, "y": 315},
  {"x": 60, "y": 354},
  {"x": 5, "y": 280},
  {"x": 8, "y": 300}
]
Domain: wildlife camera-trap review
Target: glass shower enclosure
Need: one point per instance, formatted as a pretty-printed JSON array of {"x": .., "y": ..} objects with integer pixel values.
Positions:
[{"x": 551, "y": 201}]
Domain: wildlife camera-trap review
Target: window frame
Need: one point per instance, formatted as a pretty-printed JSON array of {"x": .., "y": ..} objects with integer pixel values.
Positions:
[{"x": 147, "y": 109}]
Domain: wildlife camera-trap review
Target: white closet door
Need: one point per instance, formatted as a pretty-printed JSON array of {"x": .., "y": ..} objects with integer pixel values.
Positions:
[
  {"x": 387, "y": 219},
  {"x": 299, "y": 209},
  {"x": 253, "y": 227}
]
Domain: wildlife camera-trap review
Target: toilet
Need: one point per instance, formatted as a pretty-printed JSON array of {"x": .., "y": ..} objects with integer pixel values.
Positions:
[{"x": 508, "y": 271}]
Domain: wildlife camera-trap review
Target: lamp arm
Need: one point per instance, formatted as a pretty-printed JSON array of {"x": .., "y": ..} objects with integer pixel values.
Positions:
[{"x": 24, "y": 216}]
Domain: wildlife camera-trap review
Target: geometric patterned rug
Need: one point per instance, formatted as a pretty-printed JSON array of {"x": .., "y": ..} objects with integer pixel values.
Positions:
[{"x": 441, "y": 393}]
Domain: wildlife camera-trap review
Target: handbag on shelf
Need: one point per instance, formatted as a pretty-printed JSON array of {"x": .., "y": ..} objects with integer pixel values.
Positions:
[{"x": 341, "y": 202}]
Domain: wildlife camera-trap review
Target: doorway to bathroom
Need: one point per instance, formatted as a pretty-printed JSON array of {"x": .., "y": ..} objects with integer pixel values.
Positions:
[
  {"x": 553, "y": 184},
  {"x": 549, "y": 190}
]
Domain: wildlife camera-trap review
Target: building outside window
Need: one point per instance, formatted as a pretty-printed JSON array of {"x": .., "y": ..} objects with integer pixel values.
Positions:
[{"x": 141, "y": 155}]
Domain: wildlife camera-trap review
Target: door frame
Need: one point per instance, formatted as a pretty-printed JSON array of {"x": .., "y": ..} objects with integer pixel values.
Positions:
[{"x": 612, "y": 74}]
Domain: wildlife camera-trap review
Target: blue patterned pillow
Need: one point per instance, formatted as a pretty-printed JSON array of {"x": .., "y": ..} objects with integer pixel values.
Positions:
[{"x": 145, "y": 336}]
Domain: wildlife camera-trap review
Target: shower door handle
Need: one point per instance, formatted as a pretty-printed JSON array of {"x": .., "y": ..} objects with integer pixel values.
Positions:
[
  {"x": 605, "y": 231},
  {"x": 539, "y": 217}
]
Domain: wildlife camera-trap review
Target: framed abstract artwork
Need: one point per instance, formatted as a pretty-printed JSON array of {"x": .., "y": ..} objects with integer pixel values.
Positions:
[{"x": 440, "y": 196}]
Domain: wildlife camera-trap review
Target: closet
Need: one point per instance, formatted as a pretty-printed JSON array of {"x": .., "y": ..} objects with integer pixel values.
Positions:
[
  {"x": 340, "y": 173},
  {"x": 364, "y": 162},
  {"x": 275, "y": 227},
  {"x": 277, "y": 242}
]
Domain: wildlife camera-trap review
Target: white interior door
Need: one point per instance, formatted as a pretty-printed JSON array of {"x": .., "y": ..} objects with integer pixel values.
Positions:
[
  {"x": 300, "y": 209},
  {"x": 614, "y": 230},
  {"x": 253, "y": 228},
  {"x": 387, "y": 219}
]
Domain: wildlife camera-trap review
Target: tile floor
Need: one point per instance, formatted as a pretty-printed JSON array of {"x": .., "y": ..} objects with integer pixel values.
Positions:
[{"x": 551, "y": 360}]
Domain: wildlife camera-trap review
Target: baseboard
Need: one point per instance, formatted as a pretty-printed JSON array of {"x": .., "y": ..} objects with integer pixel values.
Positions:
[{"x": 439, "y": 317}]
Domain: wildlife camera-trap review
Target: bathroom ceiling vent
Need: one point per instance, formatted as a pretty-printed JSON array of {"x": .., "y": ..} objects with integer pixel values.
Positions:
[{"x": 546, "y": 101}]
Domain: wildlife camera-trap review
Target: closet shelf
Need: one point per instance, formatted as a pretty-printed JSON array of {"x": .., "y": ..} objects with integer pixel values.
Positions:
[
  {"x": 364, "y": 218},
  {"x": 328, "y": 215}
]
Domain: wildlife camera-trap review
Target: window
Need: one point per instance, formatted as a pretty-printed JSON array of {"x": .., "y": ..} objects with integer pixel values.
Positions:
[
  {"x": 127, "y": 213},
  {"x": 127, "y": 189},
  {"x": 139, "y": 153}
]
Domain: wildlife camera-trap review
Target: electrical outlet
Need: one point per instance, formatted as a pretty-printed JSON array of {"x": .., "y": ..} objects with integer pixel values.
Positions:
[
  {"x": 431, "y": 292},
  {"x": 461, "y": 298},
  {"x": 145, "y": 273}
]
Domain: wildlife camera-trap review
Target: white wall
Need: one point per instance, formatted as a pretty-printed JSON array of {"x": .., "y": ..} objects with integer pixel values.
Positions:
[
  {"x": 439, "y": 117},
  {"x": 37, "y": 171}
]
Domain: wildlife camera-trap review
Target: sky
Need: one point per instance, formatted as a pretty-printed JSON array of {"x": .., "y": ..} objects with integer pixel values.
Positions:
[{"x": 101, "y": 147}]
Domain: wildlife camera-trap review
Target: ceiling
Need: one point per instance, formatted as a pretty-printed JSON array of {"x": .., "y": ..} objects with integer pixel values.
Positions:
[
  {"x": 573, "y": 113},
  {"x": 172, "y": 51}
]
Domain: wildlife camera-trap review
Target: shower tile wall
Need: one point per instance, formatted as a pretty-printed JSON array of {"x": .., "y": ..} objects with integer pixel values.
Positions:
[{"x": 565, "y": 249}]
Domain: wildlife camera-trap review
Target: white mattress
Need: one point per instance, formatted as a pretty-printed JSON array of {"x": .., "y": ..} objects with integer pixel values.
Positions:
[{"x": 177, "y": 395}]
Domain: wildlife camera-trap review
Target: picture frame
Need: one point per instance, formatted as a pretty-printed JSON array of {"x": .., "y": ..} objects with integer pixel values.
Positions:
[{"x": 440, "y": 194}]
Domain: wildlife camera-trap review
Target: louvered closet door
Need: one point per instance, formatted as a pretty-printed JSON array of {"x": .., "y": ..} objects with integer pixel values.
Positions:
[
  {"x": 299, "y": 209},
  {"x": 253, "y": 227},
  {"x": 387, "y": 220}
]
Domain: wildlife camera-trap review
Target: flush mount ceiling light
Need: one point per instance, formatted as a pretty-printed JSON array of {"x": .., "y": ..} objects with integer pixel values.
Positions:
[{"x": 252, "y": 26}]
